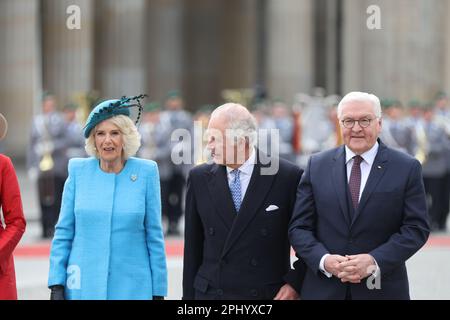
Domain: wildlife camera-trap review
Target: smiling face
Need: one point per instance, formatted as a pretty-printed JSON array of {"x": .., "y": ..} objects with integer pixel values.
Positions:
[
  {"x": 108, "y": 142},
  {"x": 359, "y": 139}
]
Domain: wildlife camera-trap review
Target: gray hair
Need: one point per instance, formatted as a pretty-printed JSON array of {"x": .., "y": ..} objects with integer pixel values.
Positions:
[
  {"x": 360, "y": 97},
  {"x": 131, "y": 137},
  {"x": 240, "y": 122}
]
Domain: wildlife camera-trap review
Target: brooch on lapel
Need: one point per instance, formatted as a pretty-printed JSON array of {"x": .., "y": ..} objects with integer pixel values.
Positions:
[{"x": 133, "y": 177}]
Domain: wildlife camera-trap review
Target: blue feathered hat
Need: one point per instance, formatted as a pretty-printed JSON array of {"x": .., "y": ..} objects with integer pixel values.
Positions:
[{"x": 111, "y": 108}]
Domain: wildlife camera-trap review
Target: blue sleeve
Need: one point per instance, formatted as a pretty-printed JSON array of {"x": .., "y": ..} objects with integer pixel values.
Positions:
[
  {"x": 154, "y": 233},
  {"x": 64, "y": 232}
]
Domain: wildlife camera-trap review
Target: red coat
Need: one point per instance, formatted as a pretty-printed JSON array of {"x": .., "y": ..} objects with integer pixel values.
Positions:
[{"x": 11, "y": 205}]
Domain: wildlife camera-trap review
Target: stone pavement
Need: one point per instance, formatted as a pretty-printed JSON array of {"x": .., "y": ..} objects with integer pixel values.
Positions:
[
  {"x": 428, "y": 273},
  {"x": 31, "y": 260}
]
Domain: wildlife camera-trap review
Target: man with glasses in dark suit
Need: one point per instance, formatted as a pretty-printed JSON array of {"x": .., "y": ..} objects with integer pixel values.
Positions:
[{"x": 360, "y": 212}]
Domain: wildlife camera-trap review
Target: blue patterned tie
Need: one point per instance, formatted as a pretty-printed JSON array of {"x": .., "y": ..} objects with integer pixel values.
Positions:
[{"x": 235, "y": 187}]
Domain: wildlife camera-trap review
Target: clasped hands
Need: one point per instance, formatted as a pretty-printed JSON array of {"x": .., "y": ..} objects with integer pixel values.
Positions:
[{"x": 351, "y": 268}]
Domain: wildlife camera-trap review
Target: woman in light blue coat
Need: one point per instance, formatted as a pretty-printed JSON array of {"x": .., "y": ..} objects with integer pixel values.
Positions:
[{"x": 109, "y": 241}]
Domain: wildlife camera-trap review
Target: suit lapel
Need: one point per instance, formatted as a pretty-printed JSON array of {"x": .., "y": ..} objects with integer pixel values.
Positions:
[
  {"x": 220, "y": 194},
  {"x": 378, "y": 169},
  {"x": 340, "y": 181},
  {"x": 256, "y": 193}
]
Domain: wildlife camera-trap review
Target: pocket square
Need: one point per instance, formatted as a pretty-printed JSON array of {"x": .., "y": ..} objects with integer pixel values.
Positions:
[{"x": 272, "y": 207}]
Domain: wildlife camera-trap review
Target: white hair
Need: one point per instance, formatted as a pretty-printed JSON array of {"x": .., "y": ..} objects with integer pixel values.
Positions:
[
  {"x": 240, "y": 122},
  {"x": 131, "y": 137},
  {"x": 360, "y": 97}
]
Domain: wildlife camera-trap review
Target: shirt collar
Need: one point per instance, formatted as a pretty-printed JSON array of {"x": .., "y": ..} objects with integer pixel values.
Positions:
[
  {"x": 247, "y": 166},
  {"x": 368, "y": 156}
]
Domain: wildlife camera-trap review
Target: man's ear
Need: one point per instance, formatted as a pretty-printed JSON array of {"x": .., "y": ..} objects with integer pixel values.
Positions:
[{"x": 244, "y": 142}]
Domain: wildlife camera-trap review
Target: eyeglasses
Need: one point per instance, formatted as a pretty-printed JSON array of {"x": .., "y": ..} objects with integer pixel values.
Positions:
[{"x": 350, "y": 123}]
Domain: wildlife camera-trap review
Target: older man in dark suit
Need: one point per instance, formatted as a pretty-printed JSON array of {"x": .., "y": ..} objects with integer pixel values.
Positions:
[
  {"x": 237, "y": 215},
  {"x": 360, "y": 212}
]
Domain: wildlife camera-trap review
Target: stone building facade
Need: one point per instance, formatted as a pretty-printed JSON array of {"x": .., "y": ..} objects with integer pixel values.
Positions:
[{"x": 204, "y": 46}]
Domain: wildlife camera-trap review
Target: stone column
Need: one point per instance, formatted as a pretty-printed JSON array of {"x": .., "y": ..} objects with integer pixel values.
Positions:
[
  {"x": 333, "y": 48},
  {"x": 238, "y": 44},
  {"x": 326, "y": 45},
  {"x": 120, "y": 47},
  {"x": 201, "y": 52},
  {"x": 163, "y": 39},
  {"x": 405, "y": 58},
  {"x": 20, "y": 71},
  {"x": 446, "y": 35},
  {"x": 68, "y": 54},
  {"x": 290, "y": 64},
  {"x": 220, "y": 43}
]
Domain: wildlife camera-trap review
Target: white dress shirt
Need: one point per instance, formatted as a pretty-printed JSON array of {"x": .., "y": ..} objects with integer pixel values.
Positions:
[
  {"x": 246, "y": 170},
  {"x": 366, "y": 166}
]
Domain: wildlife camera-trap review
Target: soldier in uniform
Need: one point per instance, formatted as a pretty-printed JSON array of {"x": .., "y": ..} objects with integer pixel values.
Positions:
[
  {"x": 442, "y": 118},
  {"x": 173, "y": 176},
  {"x": 47, "y": 162},
  {"x": 434, "y": 145},
  {"x": 282, "y": 121},
  {"x": 74, "y": 133},
  {"x": 396, "y": 133},
  {"x": 147, "y": 129},
  {"x": 316, "y": 126}
]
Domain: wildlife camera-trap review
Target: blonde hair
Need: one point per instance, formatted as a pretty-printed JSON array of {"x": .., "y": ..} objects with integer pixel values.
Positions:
[{"x": 131, "y": 137}]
